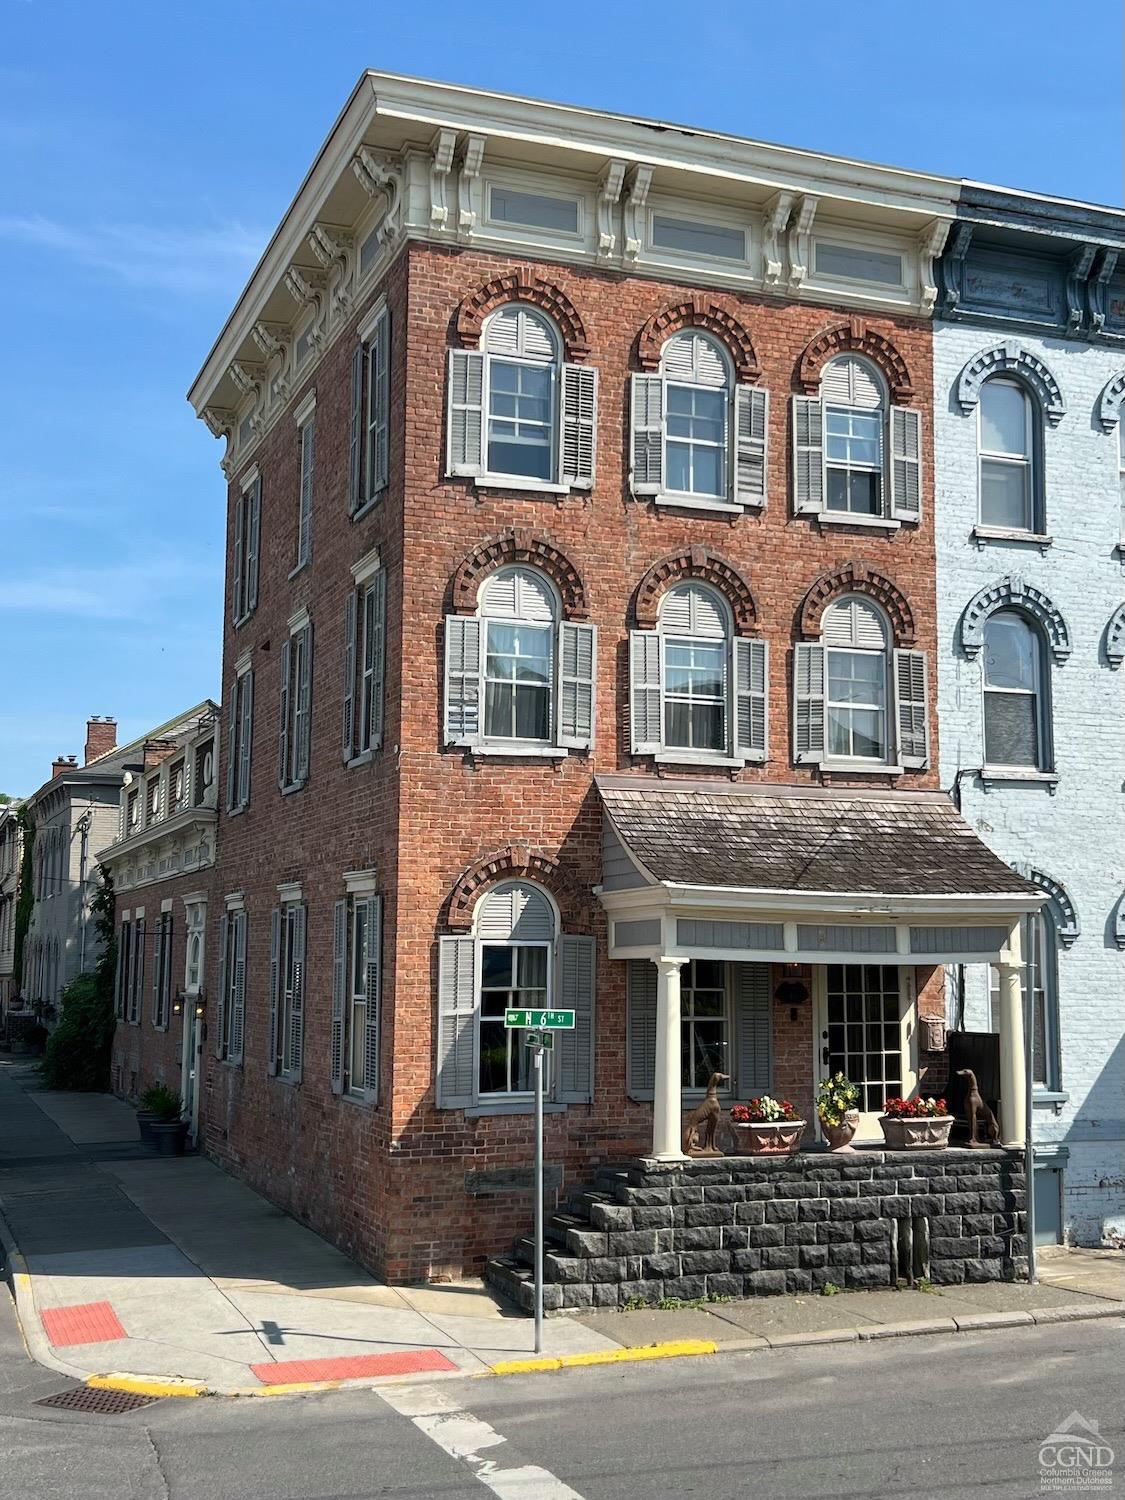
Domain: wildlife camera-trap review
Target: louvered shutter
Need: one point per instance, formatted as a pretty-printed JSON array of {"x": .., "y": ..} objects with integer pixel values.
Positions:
[
  {"x": 246, "y": 738},
  {"x": 577, "y": 673},
  {"x": 351, "y": 604},
  {"x": 275, "y": 986},
  {"x": 464, "y": 439},
  {"x": 646, "y": 729},
  {"x": 304, "y": 521},
  {"x": 808, "y": 455},
  {"x": 378, "y": 653},
  {"x": 295, "y": 1060},
  {"x": 380, "y": 399},
  {"x": 118, "y": 996},
  {"x": 304, "y": 709},
  {"x": 906, "y": 464},
  {"x": 751, "y": 444},
  {"x": 221, "y": 1005},
  {"x": 339, "y": 992},
  {"x": 234, "y": 709},
  {"x": 912, "y": 709},
  {"x": 808, "y": 703},
  {"x": 373, "y": 985},
  {"x": 575, "y": 1049},
  {"x": 238, "y": 581},
  {"x": 579, "y": 425},
  {"x": 157, "y": 971},
  {"x": 138, "y": 970},
  {"x": 355, "y": 433},
  {"x": 456, "y": 1052},
  {"x": 752, "y": 1028},
  {"x": 751, "y": 697},
  {"x": 238, "y": 991},
  {"x": 646, "y": 475},
  {"x": 462, "y": 679},
  {"x": 253, "y": 546},
  {"x": 283, "y": 717},
  {"x": 640, "y": 1028}
]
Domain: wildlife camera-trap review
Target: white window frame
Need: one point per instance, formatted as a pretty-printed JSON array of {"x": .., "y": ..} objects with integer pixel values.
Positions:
[
  {"x": 368, "y": 644},
  {"x": 490, "y": 476},
  {"x": 240, "y": 738},
  {"x": 305, "y": 418},
  {"x": 1044, "y": 739},
  {"x": 889, "y": 759},
  {"x": 688, "y": 1021},
  {"x": 195, "y": 932},
  {"x": 290, "y": 978},
  {"x": 723, "y": 494},
  {"x": 355, "y": 1002},
  {"x": 686, "y": 753},
  {"x": 1027, "y": 463},
  {"x": 880, "y": 415},
  {"x": 247, "y": 554},
  {"x": 233, "y": 916},
  {"x": 509, "y": 228},
  {"x": 295, "y": 754}
]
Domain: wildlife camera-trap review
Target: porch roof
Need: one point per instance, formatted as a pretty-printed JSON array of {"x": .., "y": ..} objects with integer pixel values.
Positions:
[{"x": 777, "y": 839}]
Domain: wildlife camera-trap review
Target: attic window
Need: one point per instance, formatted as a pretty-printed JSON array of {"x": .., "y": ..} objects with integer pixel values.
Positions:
[
  {"x": 698, "y": 239},
  {"x": 858, "y": 263},
  {"x": 532, "y": 210}
]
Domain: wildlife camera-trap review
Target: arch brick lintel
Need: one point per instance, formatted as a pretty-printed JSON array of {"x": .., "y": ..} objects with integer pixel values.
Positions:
[
  {"x": 1012, "y": 358},
  {"x": 523, "y": 285},
  {"x": 699, "y": 311},
  {"x": 520, "y": 545},
  {"x": 855, "y": 337},
  {"x": 515, "y": 862},
  {"x": 708, "y": 567},
  {"x": 1014, "y": 593},
  {"x": 1065, "y": 913},
  {"x": 1115, "y": 638},
  {"x": 858, "y": 578},
  {"x": 1119, "y": 923},
  {"x": 1110, "y": 401}
]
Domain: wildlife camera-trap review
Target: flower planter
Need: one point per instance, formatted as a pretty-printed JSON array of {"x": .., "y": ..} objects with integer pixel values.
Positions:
[
  {"x": 768, "y": 1137},
  {"x": 145, "y": 1121},
  {"x": 169, "y": 1136},
  {"x": 839, "y": 1137},
  {"x": 925, "y": 1133}
]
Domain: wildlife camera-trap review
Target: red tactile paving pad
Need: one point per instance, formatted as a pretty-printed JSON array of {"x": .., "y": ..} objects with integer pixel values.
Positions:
[
  {"x": 352, "y": 1367},
  {"x": 84, "y": 1323}
]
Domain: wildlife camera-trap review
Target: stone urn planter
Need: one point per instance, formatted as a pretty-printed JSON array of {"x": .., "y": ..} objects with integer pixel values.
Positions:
[
  {"x": 768, "y": 1137},
  {"x": 921, "y": 1133},
  {"x": 146, "y": 1118},
  {"x": 838, "y": 1137},
  {"x": 169, "y": 1136}
]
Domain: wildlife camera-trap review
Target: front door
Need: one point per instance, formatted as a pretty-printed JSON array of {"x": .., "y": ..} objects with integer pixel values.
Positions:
[
  {"x": 190, "y": 1067},
  {"x": 865, "y": 1030}
]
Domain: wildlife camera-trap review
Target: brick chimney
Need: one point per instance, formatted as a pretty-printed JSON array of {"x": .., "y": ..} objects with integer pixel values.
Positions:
[
  {"x": 101, "y": 737},
  {"x": 61, "y": 764}
]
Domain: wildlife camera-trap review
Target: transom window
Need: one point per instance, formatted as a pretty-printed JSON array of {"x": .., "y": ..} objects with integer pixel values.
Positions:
[
  {"x": 521, "y": 379},
  {"x": 516, "y": 928},
  {"x": 698, "y": 385},
  {"x": 705, "y": 1022},
  {"x": 695, "y": 642},
  {"x": 854, "y": 418},
  {"x": 1006, "y": 442},
  {"x": 518, "y": 608},
  {"x": 1014, "y": 727},
  {"x": 855, "y": 639}
]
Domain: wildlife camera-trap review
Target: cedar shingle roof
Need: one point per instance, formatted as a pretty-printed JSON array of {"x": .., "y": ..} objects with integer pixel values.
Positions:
[{"x": 784, "y": 838}]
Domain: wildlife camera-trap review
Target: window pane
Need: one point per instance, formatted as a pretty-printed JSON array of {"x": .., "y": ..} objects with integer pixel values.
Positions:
[
  {"x": 494, "y": 1057},
  {"x": 707, "y": 974},
  {"x": 533, "y": 713},
  {"x": 1005, "y": 490},
  {"x": 858, "y": 264},
  {"x": 536, "y": 210},
  {"x": 698, "y": 239},
  {"x": 1010, "y": 729},
  {"x": 867, "y": 733},
  {"x": 1003, "y": 418},
  {"x": 359, "y": 950},
  {"x": 496, "y": 966},
  {"x": 1009, "y": 653},
  {"x": 532, "y": 968},
  {"x": 854, "y": 492}
]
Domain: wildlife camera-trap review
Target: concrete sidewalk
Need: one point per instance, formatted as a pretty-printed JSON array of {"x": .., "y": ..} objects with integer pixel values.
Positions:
[{"x": 167, "y": 1269}]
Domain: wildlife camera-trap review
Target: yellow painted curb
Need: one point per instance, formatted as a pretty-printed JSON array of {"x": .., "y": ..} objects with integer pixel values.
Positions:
[
  {"x": 292, "y": 1388},
  {"x": 138, "y": 1386},
  {"x": 674, "y": 1349}
]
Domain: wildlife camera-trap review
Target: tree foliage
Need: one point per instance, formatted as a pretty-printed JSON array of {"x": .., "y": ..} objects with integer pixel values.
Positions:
[
  {"x": 26, "y": 897},
  {"x": 79, "y": 1048}
]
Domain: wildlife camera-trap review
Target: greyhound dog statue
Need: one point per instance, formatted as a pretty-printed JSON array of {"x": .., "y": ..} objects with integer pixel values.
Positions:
[
  {"x": 978, "y": 1112},
  {"x": 699, "y": 1131}
]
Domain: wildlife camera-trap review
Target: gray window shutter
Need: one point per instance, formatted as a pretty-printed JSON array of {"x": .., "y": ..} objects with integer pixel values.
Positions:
[
  {"x": 246, "y": 738},
  {"x": 355, "y": 434},
  {"x": 751, "y": 694},
  {"x": 808, "y": 455},
  {"x": 906, "y": 464},
  {"x": 380, "y": 398},
  {"x": 234, "y": 708},
  {"x": 646, "y": 476},
  {"x": 295, "y": 1059},
  {"x": 275, "y": 987},
  {"x": 283, "y": 717},
  {"x": 221, "y": 1002},
  {"x": 752, "y": 1028},
  {"x": 751, "y": 438},
  {"x": 351, "y": 604},
  {"x": 118, "y": 995},
  {"x": 373, "y": 982},
  {"x": 579, "y": 425},
  {"x": 575, "y": 991},
  {"x": 237, "y": 598},
  {"x": 378, "y": 587},
  {"x": 577, "y": 674},
  {"x": 457, "y": 997},
  {"x": 640, "y": 1028},
  {"x": 253, "y": 546},
  {"x": 808, "y": 703},
  {"x": 304, "y": 708},
  {"x": 464, "y": 439},
  {"x": 304, "y": 518},
  {"x": 912, "y": 705},
  {"x": 138, "y": 970},
  {"x": 157, "y": 971},
  {"x": 339, "y": 992},
  {"x": 646, "y": 727},
  {"x": 238, "y": 991},
  {"x": 462, "y": 679}
]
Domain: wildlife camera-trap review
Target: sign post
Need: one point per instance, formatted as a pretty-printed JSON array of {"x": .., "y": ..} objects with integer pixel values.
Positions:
[{"x": 539, "y": 1024}]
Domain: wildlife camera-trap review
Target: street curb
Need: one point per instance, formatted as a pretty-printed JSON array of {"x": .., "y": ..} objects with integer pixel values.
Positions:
[
  {"x": 674, "y": 1349},
  {"x": 140, "y": 1385},
  {"x": 22, "y": 1283}
]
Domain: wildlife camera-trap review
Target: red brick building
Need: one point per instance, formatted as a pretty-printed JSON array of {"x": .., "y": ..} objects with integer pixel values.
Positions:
[{"x": 580, "y": 526}]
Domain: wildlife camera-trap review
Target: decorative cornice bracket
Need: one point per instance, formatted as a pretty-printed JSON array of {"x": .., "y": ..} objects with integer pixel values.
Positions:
[
  {"x": 441, "y": 164},
  {"x": 471, "y": 157},
  {"x": 931, "y": 242},
  {"x": 638, "y": 180},
  {"x": 800, "y": 231},
  {"x": 609, "y": 195},
  {"x": 777, "y": 212}
]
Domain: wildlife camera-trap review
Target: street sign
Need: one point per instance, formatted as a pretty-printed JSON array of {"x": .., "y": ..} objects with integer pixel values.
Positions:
[
  {"x": 545, "y": 1040},
  {"x": 540, "y": 1020}
]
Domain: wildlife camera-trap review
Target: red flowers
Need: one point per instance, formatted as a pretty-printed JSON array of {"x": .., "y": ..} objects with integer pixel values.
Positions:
[
  {"x": 763, "y": 1111},
  {"x": 914, "y": 1109}
]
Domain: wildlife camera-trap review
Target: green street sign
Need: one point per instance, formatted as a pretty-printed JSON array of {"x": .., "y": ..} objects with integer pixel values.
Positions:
[
  {"x": 539, "y": 1020},
  {"x": 544, "y": 1040}
]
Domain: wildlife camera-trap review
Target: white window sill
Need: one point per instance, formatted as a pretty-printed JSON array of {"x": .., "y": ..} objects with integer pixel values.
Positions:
[
  {"x": 233, "y": 812},
  {"x": 300, "y": 568},
  {"x": 512, "y": 1107},
  {"x": 1049, "y": 1098},
  {"x": 294, "y": 786},
  {"x": 860, "y": 768},
  {"x": 1017, "y": 775},
  {"x": 357, "y": 1101},
  {"x": 365, "y": 757},
  {"x": 368, "y": 505},
  {"x": 514, "y": 482},
  {"x": 516, "y": 751},
  {"x": 981, "y": 534},
  {"x": 699, "y": 502},
  {"x": 242, "y": 619},
  {"x": 290, "y": 1080},
  {"x": 844, "y": 518},
  {"x": 673, "y": 758}
]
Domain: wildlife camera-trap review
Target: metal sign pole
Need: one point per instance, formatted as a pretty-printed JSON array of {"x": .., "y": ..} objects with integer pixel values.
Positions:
[{"x": 537, "y": 1062}]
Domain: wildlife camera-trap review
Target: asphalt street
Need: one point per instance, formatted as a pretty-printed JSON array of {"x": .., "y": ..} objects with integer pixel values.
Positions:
[{"x": 927, "y": 1417}]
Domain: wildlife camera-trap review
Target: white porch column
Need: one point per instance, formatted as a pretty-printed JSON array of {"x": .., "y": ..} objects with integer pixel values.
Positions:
[
  {"x": 1013, "y": 1067},
  {"x": 666, "y": 1108}
]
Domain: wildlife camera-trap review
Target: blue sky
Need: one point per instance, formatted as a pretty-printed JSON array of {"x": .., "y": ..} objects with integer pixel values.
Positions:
[{"x": 147, "y": 152}]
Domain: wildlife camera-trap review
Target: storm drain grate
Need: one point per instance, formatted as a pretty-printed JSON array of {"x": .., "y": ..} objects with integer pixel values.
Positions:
[{"x": 97, "y": 1402}]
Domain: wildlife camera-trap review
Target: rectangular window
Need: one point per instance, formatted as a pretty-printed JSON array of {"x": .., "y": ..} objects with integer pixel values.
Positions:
[
  {"x": 355, "y": 1017},
  {"x": 371, "y": 664},
  {"x": 854, "y": 460},
  {"x": 704, "y": 1023},
  {"x": 295, "y": 708},
  {"x": 857, "y": 705},
  {"x": 696, "y": 444},
  {"x": 696, "y": 238},
  {"x": 511, "y": 976},
  {"x": 289, "y": 993},
  {"x": 307, "y": 444},
  {"x": 864, "y": 1030},
  {"x": 532, "y": 210},
  {"x": 162, "y": 971},
  {"x": 521, "y": 403},
  {"x": 695, "y": 694},
  {"x": 240, "y": 735},
  {"x": 1006, "y": 430},
  {"x": 247, "y": 533},
  {"x": 375, "y": 409},
  {"x": 855, "y": 263},
  {"x": 124, "y": 968},
  {"x": 228, "y": 1045},
  {"x": 517, "y": 681}
]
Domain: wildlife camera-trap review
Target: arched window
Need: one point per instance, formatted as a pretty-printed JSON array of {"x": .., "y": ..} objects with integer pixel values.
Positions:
[
  {"x": 521, "y": 365},
  {"x": 855, "y": 403},
  {"x": 697, "y": 383},
  {"x": 1040, "y": 985},
  {"x": 695, "y": 630},
  {"x": 1007, "y": 445},
  {"x": 515, "y": 928},
  {"x": 855, "y": 639},
  {"x": 1016, "y": 723}
]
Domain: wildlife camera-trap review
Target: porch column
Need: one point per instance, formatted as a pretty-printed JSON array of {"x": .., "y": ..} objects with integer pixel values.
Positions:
[
  {"x": 666, "y": 1108},
  {"x": 1013, "y": 1068}
]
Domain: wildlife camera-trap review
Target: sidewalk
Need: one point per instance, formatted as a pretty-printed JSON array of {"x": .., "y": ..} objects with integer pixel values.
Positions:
[{"x": 167, "y": 1269}]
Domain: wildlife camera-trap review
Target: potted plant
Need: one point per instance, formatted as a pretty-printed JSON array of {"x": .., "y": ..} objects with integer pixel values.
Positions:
[
  {"x": 837, "y": 1109},
  {"x": 767, "y": 1127},
  {"x": 166, "y": 1131},
  {"x": 915, "y": 1124}
]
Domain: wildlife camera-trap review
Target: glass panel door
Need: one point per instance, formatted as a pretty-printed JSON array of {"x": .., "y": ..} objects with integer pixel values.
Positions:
[{"x": 864, "y": 1033}]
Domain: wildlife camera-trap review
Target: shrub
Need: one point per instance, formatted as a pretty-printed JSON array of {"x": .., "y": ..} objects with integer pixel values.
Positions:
[
  {"x": 78, "y": 1050},
  {"x": 162, "y": 1102}
]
